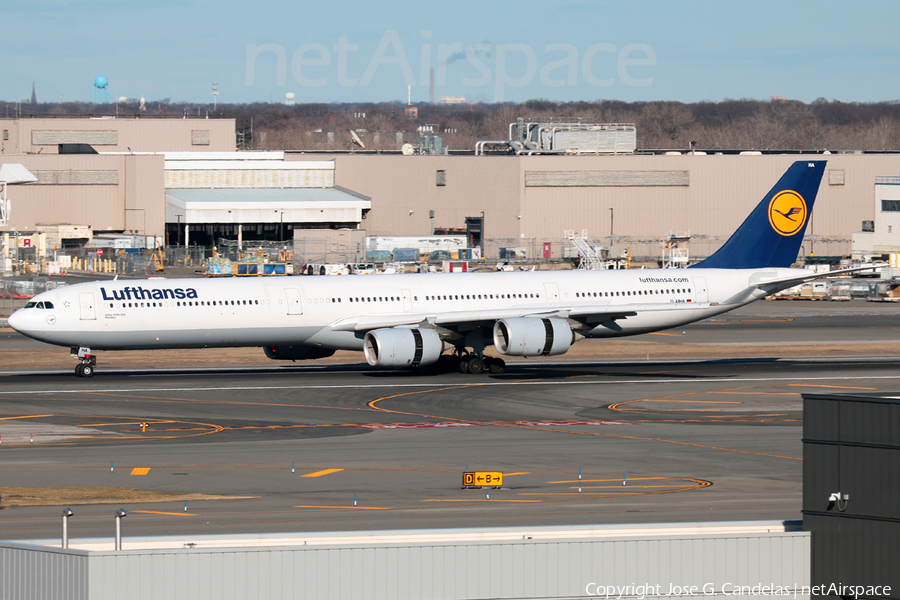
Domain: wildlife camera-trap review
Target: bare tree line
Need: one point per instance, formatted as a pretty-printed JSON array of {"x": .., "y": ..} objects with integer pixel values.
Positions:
[{"x": 711, "y": 126}]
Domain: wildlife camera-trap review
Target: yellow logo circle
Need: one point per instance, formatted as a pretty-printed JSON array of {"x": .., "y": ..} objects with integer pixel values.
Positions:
[{"x": 787, "y": 212}]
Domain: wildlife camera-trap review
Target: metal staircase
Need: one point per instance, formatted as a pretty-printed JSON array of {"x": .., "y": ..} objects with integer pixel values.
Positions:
[{"x": 586, "y": 249}]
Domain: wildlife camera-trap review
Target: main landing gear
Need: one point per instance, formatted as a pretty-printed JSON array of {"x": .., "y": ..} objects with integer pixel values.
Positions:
[
  {"x": 88, "y": 363},
  {"x": 476, "y": 365}
]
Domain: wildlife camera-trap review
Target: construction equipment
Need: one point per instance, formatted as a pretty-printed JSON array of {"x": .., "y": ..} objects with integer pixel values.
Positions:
[{"x": 157, "y": 260}]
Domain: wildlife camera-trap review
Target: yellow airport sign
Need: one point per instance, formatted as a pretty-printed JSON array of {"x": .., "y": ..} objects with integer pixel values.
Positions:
[{"x": 482, "y": 478}]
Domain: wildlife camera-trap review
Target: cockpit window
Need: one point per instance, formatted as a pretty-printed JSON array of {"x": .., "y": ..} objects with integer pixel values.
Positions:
[{"x": 39, "y": 305}]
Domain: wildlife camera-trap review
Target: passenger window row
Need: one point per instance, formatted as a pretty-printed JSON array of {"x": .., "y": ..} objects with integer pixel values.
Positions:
[
  {"x": 186, "y": 303},
  {"x": 632, "y": 293},
  {"x": 481, "y": 296},
  {"x": 373, "y": 299}
]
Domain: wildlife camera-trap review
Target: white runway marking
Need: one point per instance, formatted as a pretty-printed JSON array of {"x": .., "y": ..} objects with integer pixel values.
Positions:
[{"x": 454, "y": 385}]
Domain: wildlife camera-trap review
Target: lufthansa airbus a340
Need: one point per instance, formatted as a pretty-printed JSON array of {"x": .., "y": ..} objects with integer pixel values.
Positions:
[{"x": 412, "y": 320}]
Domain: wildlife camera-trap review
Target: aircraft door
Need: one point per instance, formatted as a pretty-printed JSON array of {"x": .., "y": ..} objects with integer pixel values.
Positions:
[
  {"x": 702, "y": 293},
  {"x": 86, "y": 301},
  {"x": 294, "y": 301},
  {"x": 407, "y": 301},
  {"x": 552, "y": 292}
]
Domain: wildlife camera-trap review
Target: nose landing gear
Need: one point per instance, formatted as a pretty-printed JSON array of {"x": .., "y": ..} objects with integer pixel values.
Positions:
[{"x": 88, "y": 363}]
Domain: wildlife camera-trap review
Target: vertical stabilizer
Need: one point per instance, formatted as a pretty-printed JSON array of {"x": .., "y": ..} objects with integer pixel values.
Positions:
[{"x": 772, "y": 234}]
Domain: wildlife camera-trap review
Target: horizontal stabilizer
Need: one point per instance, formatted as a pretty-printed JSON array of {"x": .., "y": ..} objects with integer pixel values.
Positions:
[{"x": 766, "y": 287}]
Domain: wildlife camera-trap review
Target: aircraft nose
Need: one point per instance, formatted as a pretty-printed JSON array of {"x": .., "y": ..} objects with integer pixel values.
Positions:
[{"x": 16, "y": 320}]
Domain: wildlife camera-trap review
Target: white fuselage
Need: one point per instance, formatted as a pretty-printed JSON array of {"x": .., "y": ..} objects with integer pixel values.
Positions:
[{"x": 335, "y": 312}]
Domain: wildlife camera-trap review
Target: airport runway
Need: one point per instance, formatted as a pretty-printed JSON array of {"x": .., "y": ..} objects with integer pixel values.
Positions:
[{"x": 656, "y": 441}]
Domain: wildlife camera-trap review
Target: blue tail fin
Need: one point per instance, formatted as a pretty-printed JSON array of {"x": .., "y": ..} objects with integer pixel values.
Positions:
[{"x": 772, "y": 234}]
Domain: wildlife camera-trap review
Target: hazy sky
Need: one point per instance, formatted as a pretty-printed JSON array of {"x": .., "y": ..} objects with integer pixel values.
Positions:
[{"x": 500, "y": 50}]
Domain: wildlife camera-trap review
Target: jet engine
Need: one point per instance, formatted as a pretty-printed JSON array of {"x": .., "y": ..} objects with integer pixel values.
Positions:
[
  {"x": 398, "y": 347},
  {"x": 531, "y": 336},
  {"x": 296, "y": 352}
]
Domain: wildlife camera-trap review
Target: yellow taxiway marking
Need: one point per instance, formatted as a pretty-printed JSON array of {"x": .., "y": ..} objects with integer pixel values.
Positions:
[
  {"x": 157, "y": 512},
  {"x": 320, "y": 473},
  {"x": 478, "y": 500},
  {"x": 624, "y": 492},
  {"x": 620, "y": 486},
  {"x": 672, "y": 334},
  {"x": 24, "y": 417},
  {"x": 836, "y": 387},
  {"x": 346, "y": 507},
  {"x": 511, "y": 474},
  {"x": 140, "y": 470},
  {"x": 605, "y": 480},
  {"x": 373, "y": 405},
  {"x": 668, "y": 399}
]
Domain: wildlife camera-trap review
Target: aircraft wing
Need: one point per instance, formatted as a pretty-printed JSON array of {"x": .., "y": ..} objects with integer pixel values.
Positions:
[
  {"x": 369, "y": 322},
  {"x": 448, "y": 319},
  {"x": 584, "y": 313},
  {"x": 483, "y": 316},
  {"x": 590, "y": 314},
  {"x": 608, "y": 315}
]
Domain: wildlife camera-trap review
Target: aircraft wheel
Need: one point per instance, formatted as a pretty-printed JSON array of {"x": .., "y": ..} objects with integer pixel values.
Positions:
[
  {"x": 497, "y": 366},
  {"x": 79, "y": 370},
  {"x": 476, "y": 366},
  {"x": 464, "y": 364},
  {"x": 87, "y": 370}
]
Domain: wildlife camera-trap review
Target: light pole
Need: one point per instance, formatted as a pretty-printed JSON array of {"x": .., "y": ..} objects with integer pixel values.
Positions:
[
  {"x": 65, "y": 527},
  {"x": 483, "y": 238},
  {"x": 120, "y": 514},
  {"x": 178, "y": 230}
]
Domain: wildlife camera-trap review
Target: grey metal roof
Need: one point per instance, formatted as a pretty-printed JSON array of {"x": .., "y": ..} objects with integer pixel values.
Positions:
[
  {"x": 253, "y": 195},
  {"x": 427, "y": 537}
]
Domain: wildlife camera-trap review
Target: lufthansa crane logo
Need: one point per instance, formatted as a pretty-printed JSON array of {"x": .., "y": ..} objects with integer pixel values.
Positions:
[{"x": 787, "y": 212}]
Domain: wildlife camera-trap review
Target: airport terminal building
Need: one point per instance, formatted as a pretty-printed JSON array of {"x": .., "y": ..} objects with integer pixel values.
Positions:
[
  {"x": 182, "y": 180},
  {"x": 624, "y": 201}
]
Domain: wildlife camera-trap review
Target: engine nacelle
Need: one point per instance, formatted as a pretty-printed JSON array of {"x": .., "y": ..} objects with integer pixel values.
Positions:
[
  {"x": 296, "y": 352},
  {"x": 531, "y": 336},
  {"x": 398, "y": 347}
]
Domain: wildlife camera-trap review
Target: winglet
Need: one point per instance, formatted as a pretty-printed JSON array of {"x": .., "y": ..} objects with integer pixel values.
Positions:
[{"x": 772, "y": 234}]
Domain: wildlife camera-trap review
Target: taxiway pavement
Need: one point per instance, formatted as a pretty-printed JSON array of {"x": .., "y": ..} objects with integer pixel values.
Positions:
[{"x": 660, "y": 440}]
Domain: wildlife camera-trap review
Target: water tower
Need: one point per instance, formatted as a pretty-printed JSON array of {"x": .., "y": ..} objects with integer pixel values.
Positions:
[
  {"x": 290, "y": 98},
  {"x": 101, "y": 88}
]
